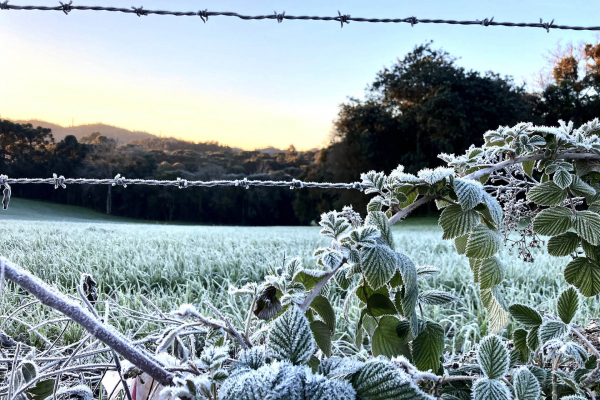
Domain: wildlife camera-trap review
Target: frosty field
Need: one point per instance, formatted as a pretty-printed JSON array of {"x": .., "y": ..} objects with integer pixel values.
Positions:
[{"x": 189, "y": 264}]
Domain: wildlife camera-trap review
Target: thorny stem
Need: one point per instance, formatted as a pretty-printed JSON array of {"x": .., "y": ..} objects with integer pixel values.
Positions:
[
  {"x": 244, "y": 342},
  {"x": 317, "y": 289},
  {"x": 555, "y": 378},
  {"x": 58, "y": 301},
  {"x": 249, "y": 318}
]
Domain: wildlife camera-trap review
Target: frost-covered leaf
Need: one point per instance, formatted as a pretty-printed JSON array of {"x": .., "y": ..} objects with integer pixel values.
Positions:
[
  {"x": 42, "y": 389},
  {"x": 379, "y": 220},
  {"x": 493, "y": 357},
  {"x": 334, "y": 225},
  {"x": 365, "y": 237},
  {"x": 533, "y": 339},
  {"x": 385, "y": 341},
  {"x": 526, "y": 385},
  {"x": 577, "y": 353},
  {"x": 584, "y": 275},
  {"x": 332, "y": 258},
  {"x": 490, "y": 389},
  {"x": 525, "y": 315},
  {"x": 378, "y": 264},
  {"x": 520, "y": 341},
  {"x": 267, "y": 304},
  {"x": 568, "y": 304},
  {"x": 252, "y": 358},
  {"x": 563, "y": 178},
  {"x": 469, "y": 192},
  {"x": 375, "y": 204},
  {"x": 491, "y": 273},
  {"x": 322, "y": 335},
  {"x": 341, "y": 279},
  {"x": 587, "y": 225},
  {"x": 579, "y": 188},
  {"x": 494, "y": 303},
  {"x": 563, "y": 245},
  {"x": 552, "y": 330},
  {"x": 436, "y": 297},
  {"x": 432, "y": 176},
  {"x": 428, "y": 346},
  {"x": 425, "y": 271},
  {"x": 547, "y": 194},
  {"x": 494, "y": 208},
  {"x": 483, "y": 243},
  {"x": 338, "y": 367},
  {"x": 553, "y": 221},
  {"x": 323, "y": 308},
  {"x": 460, "y": 243},
  {"x": 317, "y": 387},
  {"x": 411, "y": 289},
  {"x": 455, "y": 222},
  {"x": 379, "y": 379},
  {"x": 290, "y": 337}
]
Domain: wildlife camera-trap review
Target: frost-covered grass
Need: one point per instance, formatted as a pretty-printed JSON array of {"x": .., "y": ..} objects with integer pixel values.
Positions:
[{"x": 189, "y": 264}]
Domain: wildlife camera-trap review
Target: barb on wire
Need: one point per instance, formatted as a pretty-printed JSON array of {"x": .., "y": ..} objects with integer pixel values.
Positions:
[{"x": 341, "y": 18}]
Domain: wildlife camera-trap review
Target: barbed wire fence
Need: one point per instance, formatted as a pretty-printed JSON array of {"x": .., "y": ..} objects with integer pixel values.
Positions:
[{"x": 342, "y": 19}]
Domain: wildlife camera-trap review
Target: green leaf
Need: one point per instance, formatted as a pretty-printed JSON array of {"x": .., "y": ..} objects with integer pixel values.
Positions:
[
  {"x": 341, "y": 279},
  {"x": 379, "y": 220},
  {"x": 553, "y": 221},
  {"x": 403, "y": 330},
  {"x": 552, "y": 330},
  {"x": 461, "y": 244},
  {"x": 411, "y": 289},
  {"x": 309, "y": 277},
  {"x": 491, "y": 273},
  {"x": 493, "y": 357},
  {"x": 378, "y": 264},
  {"x": 494, "y": 303},
  {"x": 483, "y": 243},
  {"x": 580, "y": 188},
  {"x": 490, "y": 389},
  {"x": 364, "y": 291},
  {"x": 475, "y": 264},
  {"x": 520, "y": 341},
  {"x": 568, "y": 304},
  {"x": 322, "y": 335},
  {"x": 591, "y": 251},
  {"x": 587, "y": 225},
  {"x": 563, "y": 245},
  {"x": 375, "y": 204},
  {"x": 533, "y": 338},
  {"x": 528, "y": 167},
  {"x": 547, "y": 194},
  {"x": 41, "y": 390},
  {"x": 469, "y": 192},
  {"x": 427, "y": 348},
  {"x": 563, "y": 178},
  {"x": 436, "y": 297},
  {"x": 455, "y": 222},
  {"x": 28, "y": 370},
  {"x": 290, "y": 337},
  {"x": 313, "y": 364},
  {"x": 525, "y": 315},
  {"x": 595, "y": 206},
  {"x": 379, "y": 379},
  {"x": 379, "y": 305},
  {"x": 584, "y": 275},
  {"x": 526, "y": 385},
  {"x": 493, "y": 207},
  {"x": 385, "y": 341},
  {"x": 321, "y": 306}
]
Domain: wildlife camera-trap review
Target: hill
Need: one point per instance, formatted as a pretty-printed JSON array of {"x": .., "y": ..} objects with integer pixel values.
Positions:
[{"x": 122, "y": 135}]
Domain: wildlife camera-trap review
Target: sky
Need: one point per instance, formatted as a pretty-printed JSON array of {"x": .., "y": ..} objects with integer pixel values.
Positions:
[{"x": 248, "y": 84}]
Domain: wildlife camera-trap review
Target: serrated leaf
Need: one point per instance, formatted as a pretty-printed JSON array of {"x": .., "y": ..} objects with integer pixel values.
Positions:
[
  {"x": 553, "y": 221},
  {"x": 379, "y": 305},
  {"x": 475, "y": 264},
  {"x": 591, "y": 251},
  {"x": 552, "y": 330},
  {"x": 580, "y": 188},
  {"x": 436, "y": 297},
  {"x": 322, "y": 336},
  {"x": 493, "y": 357},
  {"x": 563, "y": 178},
  {"x": 332, "y": 258},
  {"x": 526, "y": 385},
  {"x": 403, "y": 330},
  {"x": 321, "y": 306},
  {"x": 460, "y": 243},
  {"x": 341, "y": 279},
  {"x": 411, "y": 289},
  {"x": 491, "y": 273},
  {"x": 385, "y": 341},
  {"x": 290, "y": 337},
  {"x": 584, "y": 275},
  {"x": 483, "y": 243},
  {"x": 520, "y": 341},
  {"x": 563, "y": 245},
  {"x": 568, "y": 304},
  {"x": 309, "y": 277},
  {"x": 533, "y": 339},
  {"x": 379, "y": 379},
  {"x": 428, "y": 346},
  {"x": 375, "y": 204},
  {"x": 380, "y": 220},
  {"x": 364, "y": 291},
  {"x": 378, "y": 264},
  {"x": 469, "y": 192},
  {"x": 525, "y": 315},
  {"x": 547, "y": 194},
  {"x": 365, "y": 237},
  {"x": 494, "y": 208},
  {"x": 587, "y": 225},
  {"x": 455, "y": 222},
  {"x": 494, "y": 303},
  {"x": 425, "y": 271},
  {"x": 490, "y": 389}
]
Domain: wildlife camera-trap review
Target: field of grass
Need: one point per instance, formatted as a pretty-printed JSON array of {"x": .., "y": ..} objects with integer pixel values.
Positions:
[{"x": 189, "y": 264}]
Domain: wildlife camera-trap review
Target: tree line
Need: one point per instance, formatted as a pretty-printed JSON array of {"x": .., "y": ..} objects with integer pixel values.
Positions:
[{"x": 421, "y": 106}]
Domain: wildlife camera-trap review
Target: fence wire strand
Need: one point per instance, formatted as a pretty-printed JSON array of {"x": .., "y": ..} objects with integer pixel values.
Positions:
[{"x": 342, "y": 19}]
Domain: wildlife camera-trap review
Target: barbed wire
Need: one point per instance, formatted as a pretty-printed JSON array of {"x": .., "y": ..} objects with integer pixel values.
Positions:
[
  {"x": 118, "y": 180},
  {"x": 280, "y": 17}
]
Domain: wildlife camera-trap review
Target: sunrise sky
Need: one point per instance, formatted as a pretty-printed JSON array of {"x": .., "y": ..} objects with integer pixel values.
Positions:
[{"x": 248, "y": 84}]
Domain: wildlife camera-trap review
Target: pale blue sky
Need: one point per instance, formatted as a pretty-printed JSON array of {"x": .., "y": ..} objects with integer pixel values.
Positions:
[{"x": 247, "y": 83}]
